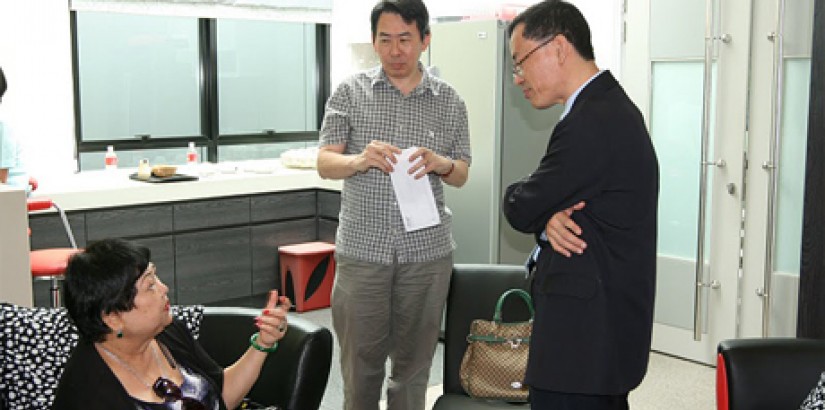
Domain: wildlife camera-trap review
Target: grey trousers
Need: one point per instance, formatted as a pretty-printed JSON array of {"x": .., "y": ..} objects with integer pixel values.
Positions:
[{"x": 388, "y": 311}]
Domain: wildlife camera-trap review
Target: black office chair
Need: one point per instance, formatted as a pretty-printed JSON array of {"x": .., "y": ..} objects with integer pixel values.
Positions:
[
  {"x": 767, "y": 374},
  {"x": 474, "y": 291}
]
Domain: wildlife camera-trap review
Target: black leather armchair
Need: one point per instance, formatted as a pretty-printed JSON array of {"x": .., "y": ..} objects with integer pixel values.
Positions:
[
  {"x": 474, "y": 291},
  {"x": 767, "y": 374},
  {"x": 294, "y": 377}
]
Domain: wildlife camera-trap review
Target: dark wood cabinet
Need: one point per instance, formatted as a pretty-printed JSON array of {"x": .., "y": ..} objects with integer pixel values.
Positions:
[
  {"x": 213, "y": 265},
  {"x": 266, "y": 238},
  {"x": 283, "y": 205},
  {"x": 329, "y": 204},
  {"x": 211, "y": 213},
  {"x": 205, "y": 250},
  {"x": 47, "y": 230},
  {"x": 129, "y": 222}
]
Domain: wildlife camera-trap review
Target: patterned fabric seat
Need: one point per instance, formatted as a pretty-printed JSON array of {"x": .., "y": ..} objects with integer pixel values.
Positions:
[
  {"x": 816, "y": 398},
  {"x": 35, "y": 345}
]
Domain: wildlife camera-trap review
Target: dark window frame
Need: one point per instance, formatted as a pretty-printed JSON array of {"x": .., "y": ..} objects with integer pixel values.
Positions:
[{"x": 210, "y": 137}]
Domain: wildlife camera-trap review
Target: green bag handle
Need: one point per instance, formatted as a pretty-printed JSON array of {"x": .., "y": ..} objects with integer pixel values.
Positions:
[{"x": 524, "y": 295}]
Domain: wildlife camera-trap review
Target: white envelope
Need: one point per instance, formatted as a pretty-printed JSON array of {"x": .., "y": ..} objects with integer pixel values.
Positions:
[{"x": 415, "y": 196}]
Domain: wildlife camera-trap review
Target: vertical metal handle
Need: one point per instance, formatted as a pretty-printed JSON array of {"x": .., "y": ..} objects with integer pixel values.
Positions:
[
  {"x": 703, "y": 177},
  {"x": 771, "y": 166}
]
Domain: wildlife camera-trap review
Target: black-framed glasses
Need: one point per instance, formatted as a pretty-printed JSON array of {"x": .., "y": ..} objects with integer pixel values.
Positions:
[
  {"x": 517, "y": 70},
  {"x": 169, "y": 392}
]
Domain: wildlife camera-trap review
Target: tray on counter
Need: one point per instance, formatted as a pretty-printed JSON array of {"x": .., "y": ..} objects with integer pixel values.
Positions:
[{"x": 171, "y": 178}]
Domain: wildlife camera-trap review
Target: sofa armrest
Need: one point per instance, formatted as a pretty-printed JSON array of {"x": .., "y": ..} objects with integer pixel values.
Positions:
[
  {"x": 293, "y": 377},
  {"x": 771, "y": 373}
]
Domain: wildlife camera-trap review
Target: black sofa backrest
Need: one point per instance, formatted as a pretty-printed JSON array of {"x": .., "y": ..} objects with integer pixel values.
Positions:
[
  {"x": 772, "y": 373},
  {"x": 294, "y": 376},
  {"x": 474, "y": 291}
]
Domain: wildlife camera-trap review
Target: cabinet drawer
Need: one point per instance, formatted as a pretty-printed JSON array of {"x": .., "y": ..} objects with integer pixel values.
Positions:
[
  {"x": 266, "y": 239},
  {"x": 211, "y": 213},
  {"x": 48, "y": 231},
  {"x": 283, "y": 205},
  {"x": 329, "y": 204},
  {"x": 213, "y": 265},
  {"x": 129, "y": 222},
  {"x": 327, "y": 229}
]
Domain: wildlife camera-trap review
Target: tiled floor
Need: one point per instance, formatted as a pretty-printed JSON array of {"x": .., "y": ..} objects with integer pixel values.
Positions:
[{"x": 671, "y": 383}]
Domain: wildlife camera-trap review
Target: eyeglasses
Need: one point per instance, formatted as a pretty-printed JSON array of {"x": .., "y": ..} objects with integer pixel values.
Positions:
[
  {"x": 518, "y": 71},
  {"x": 169, "y": 392}
]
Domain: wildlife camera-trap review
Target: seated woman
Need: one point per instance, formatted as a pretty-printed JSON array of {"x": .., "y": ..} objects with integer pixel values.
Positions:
[{"x": 132, "y": 355}]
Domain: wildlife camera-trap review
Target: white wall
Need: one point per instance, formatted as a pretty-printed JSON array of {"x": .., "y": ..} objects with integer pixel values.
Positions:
[
  {"x": 351, "y": 38},
  {"x": 35, "y": 53},
  {"x": 39, "y": 103}
]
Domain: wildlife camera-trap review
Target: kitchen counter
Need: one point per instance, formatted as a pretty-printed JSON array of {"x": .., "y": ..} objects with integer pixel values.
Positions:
[
  {"x": 212, "y": 239},
  {"x": 106, "y": 189}
]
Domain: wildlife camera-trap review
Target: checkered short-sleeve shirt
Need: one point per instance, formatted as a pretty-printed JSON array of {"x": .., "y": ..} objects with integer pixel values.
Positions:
[{"x": 368, "y": 107}]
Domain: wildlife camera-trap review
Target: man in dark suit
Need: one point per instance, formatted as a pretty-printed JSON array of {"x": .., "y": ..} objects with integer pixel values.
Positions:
[{"x": 591, "y": 204}]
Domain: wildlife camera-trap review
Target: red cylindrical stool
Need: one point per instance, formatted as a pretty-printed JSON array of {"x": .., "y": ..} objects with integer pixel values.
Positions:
[{"x": 307, "y": 274}]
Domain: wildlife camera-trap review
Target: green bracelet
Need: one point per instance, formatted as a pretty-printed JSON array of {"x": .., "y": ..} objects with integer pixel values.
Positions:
[{"x": 254, "y": 342}]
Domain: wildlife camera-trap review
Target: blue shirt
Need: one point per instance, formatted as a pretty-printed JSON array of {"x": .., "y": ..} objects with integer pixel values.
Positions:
[{"x": 11, "y": 158}]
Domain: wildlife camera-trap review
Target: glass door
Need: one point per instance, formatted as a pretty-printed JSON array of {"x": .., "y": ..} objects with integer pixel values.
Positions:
[
  {"x": 729, "y": 126},
  {"x": 781, "y": 67},
  {"x": 684, "y": 84}
]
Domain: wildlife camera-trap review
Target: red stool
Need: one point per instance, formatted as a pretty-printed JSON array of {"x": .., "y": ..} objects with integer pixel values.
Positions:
[
  {"x": 50, "y": 264},
  {"x": 307, "y": 274}
]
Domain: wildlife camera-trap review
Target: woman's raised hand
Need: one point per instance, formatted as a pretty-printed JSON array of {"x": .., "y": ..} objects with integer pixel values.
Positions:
[{"x": 272, "y": 323}]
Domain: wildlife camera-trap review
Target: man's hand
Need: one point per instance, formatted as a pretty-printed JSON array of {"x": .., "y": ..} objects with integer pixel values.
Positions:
[
  {"x": 564, "y": 234},
  {"x": 377, "y": 154},
  {"x": 429, "y": 161}
]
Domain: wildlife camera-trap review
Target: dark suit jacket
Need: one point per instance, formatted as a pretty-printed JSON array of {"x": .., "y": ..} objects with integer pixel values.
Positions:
[{"x": 594, "y": 312}]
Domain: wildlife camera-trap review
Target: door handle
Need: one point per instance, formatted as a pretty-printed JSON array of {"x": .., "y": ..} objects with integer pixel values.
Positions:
[
  {"x": 707, "y": 86},
  {"x": 714, "y": 284},
  {"x": 771, "y": 166},
  {"x": 719, "y": 163}
]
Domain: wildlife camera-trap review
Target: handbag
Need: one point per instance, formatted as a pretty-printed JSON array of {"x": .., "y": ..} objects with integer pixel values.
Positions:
[{"x": 495, "y": 361}]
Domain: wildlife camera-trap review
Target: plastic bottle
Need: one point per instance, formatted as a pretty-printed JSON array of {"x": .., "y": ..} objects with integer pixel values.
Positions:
[
  {"x": 111, "y": 158},
  {"x": 144, "y": 171},
  {"x": 191, "y": 155}
]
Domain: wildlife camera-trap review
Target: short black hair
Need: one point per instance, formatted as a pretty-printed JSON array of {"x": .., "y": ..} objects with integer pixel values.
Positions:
[
  {"x": 409, "y": 10},
  {"x": 3, "y": 85},
  {"x": 553, "y": 17},
  {"x": 101, "y": 280}
]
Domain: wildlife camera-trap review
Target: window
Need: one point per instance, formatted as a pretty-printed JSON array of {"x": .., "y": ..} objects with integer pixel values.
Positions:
[
  {"x": 264, "y": 72},
  {"x": 138, "y": 76},
  {"x": 150, "y": 84}
]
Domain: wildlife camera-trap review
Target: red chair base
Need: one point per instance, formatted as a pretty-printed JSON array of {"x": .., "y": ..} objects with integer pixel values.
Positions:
[{"x": 50, "y": 264}]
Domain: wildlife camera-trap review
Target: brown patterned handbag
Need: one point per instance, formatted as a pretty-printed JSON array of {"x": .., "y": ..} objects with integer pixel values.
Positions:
[{"x": 496, "y": 358}]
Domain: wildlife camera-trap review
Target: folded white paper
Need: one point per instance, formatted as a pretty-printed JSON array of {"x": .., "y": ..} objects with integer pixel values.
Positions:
[{"x": 415, "y": 196}]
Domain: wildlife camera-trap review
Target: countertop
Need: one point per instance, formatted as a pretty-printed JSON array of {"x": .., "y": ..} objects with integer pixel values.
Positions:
[{"x": 113, "y": 188}]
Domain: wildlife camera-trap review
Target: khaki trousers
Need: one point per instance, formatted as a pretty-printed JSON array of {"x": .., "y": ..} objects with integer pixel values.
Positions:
[{"x": 388, "y": 311}]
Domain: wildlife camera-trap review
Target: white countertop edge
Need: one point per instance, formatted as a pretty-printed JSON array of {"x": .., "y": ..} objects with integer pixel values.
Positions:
[{"x": 107, "y": 189}]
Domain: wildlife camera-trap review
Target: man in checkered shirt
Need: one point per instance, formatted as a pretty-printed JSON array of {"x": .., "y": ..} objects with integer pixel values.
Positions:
[{"x": 391, "y": 285}]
